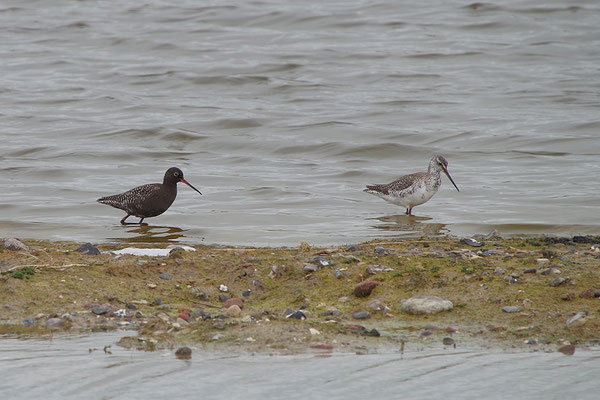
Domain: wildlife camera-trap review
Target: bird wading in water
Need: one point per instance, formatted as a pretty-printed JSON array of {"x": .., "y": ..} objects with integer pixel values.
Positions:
[
  {"x": 148, "y": 200},
  {"x": 414, "y": 189}
]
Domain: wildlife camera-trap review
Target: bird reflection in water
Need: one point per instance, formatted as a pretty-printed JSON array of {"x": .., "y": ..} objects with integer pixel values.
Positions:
[
  {"x": 152, "y": 234},
  {"x": 410, "y": 225}
]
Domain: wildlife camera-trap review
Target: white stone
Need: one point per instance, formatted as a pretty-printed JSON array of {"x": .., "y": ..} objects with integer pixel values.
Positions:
[{"x": 426, "y": 305}]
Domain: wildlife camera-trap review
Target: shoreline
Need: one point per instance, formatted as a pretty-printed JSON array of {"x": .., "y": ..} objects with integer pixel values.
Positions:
[{"x": 535, "y": 294}]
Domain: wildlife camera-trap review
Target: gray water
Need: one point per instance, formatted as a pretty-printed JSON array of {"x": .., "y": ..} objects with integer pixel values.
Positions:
[
  {"x": 64, "y": 368},
  {"x": 281, "y": 111}
]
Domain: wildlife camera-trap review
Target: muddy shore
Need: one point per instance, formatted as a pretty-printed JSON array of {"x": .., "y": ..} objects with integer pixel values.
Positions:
[{"x": 533, "y": 293}]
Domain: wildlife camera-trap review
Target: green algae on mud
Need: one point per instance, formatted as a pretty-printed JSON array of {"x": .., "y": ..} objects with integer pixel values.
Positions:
[{"x": 480, "y": 281}]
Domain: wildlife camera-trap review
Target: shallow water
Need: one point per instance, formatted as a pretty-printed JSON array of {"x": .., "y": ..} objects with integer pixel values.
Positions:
[
  {"x": 65, "y": 368},
  {"x": 281, "y": 112}
]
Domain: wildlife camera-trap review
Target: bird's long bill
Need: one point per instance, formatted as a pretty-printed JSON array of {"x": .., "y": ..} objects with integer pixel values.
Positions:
[
  {"x": 449, "y": 177},
  {"x": 190, "y": 185}
]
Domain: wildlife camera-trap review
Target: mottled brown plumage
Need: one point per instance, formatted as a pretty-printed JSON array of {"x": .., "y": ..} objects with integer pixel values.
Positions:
[
  {"x": 148, "y": 200},
  {"x": 413, "y": 189}
]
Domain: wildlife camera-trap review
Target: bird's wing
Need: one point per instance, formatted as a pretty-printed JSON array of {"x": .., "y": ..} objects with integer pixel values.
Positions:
[
  {"x": 398, "y": 185},
  {"x": 131, "y": 199}
]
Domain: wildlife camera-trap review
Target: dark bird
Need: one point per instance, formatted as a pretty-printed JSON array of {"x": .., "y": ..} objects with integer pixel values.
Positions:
[
  {"x": 413, "y": 189},
  {"x": 148, "y": 200}
]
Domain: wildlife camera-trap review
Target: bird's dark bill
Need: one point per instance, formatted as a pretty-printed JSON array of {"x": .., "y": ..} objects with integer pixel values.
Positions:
[{"x": 190, "y": 185}]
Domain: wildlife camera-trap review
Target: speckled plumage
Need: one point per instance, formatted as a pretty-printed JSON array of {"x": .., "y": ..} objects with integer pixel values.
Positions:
[
  {"x": 148, "y": 200},
  {"x": 414, "y": 189}
]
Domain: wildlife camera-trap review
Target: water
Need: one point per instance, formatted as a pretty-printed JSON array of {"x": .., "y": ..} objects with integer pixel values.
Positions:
[
  {"x": 281, "y": 112},
  {"x": 64, "y": 368}
]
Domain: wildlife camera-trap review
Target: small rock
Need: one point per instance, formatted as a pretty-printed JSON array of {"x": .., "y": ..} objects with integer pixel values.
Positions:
[
  {"x": 365, "y": 288},
  {"x": 311, "y": 268},
  {"x": 375, "y": 269},
  {"x": 183, "y": 353},
  {"x": 381, "y": 250},
  {"x": 88, "y": 249},
  {"x": 472, "y": 242},
  {"x": 448, "y": 341},
  {"x": 314, "y": 332},
  {"x": 322, "y": 261},
  {"x": 338, "y": 274},
  {"x": 557, "y": 282},
  {"x": 377, "y": 305},
  {"x": 28, "y": 322},
  {"x": 54, "y": 324},
  {"x": 588, "y": 294},
  {"x": 165, "y": 276},
  {"x": 373, "y": 333},
  {"x": 297, "y": 315},
  {"x": 512, "y": 309},
  {"x": 15, "y": 245},
  {"x": 567, "y": 350},
  {"x": 247, "y": 293},
  {"x": 152, "y": 285},
  {"x": 157, "y": 301},
  {"x": 425, "y": 334},
  {"x": 233, "y": 302},
  {"x": 122, "y": 313},
  {"x": 351, "y": 247},
  {"x": 199, "y": 294},
  {"x": 577, "y": 316},
  {"x": 131, "y": 307},
  {"x": 164, "y": 307},
  {"x": 541, "y": 261},
  {"x": 531, "y": 342},
  {"x": 426, "y": 305},
  {"x": 184, "y": 317},
  {"x": 361, "y": 315},
  {"x": 223, "y": 288},
  {"x": 218, "y": 336},
  {"x": 181, "y": 322},
  {"x": 223, "y": 298},
  {"x": 499, "y": 271},
  {"x": 530, "y": 271},
  {"x": 99, "y": 310}
]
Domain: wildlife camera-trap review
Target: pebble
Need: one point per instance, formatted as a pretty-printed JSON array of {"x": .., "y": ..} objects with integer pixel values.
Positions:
[
  {"x": 472, "y": 242},
  {"x": 512, "y": 309},
  {"x": 365, "y": 288},
  {"x": 375, "y": 269},
  {"x": 424, "y": 334},
  {"x": 234, "y": 311},
  {"x": 99, "y": 310},
  {"x": 14, "y": 245},
  {"x": 184, "y": 317},
  {"x": 361, "y": 315},
  {"x": 567, "y": 350},
  {"x": 426, "y": 305},
  {"x": 165, "y": 276},
  {"x": 338, "y": 274},
  {"x": 183, "y": 353},
  {"x": 314, "y": 332},
  {"x": 373, "y": 332},
  {"x": 530, "y": 271},
  {"x": 223, "y": 288},
  {"x": 557, "y": 282},
  {"x": 541, "y": 261},
  {"x": 218, "y": 336},
  {"x": 297, "y": 315},
  {"x": 381, "y": 250},
  {"x": 247, "y": 293},
  {"x": 199, "y": 294},
  {"x": 223, "y": 298},
  {"x": 322, "y": 261},
  {"x": 164, "y": 307},
  {"x": 234, "y": 301},
  {"x": 448, "y": 341},
  {"x": 54, "y": 324},
  {"x": 531, "y": 342},
  {"x": 499, "y": 271},
  {"x": 577, "y": 316},
  {"x": 28, "y": 322},
  {"x": 89, "y": 249},
  {"x": 122, "y": 313},
  {"x": 311, "y": 268},
  {"x": 351, "y": 247}
]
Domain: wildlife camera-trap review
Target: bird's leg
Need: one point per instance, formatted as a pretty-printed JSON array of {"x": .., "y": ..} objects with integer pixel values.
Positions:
[
  {"x": 123, "y": 220},
  {"x": 141, "y": 222},
  {"x": 130, "y": 223},
  {"x": 409, "y": 211}
]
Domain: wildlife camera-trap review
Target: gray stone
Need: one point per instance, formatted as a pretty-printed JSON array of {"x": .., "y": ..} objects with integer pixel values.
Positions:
[
  {"x": 165, "y": 276},
  {"x": 14, "y": 245},
  {"x": 54, "y": 324},
  {"x": 426, "y": 305},
  {"x": 472, "y": 242},
  {"x": 351, "y": 247},
  {"x": 576, "y": 317},
  {"x": 512, "y": 309},
  {"x": 361, "y": 315},
  {"x": 448, "y": 341},
  {"x": 557, "y": 282},
  {"x": 311, "y": 268},
  {"x": 375, "y": 269},
  {"x": 218, "y": 336},
  {"x": 99, "y": 310},
  {"x": 88, "y": 249},
  {"x": 381, "y": 250},
  {"x": 338, "y": 274},
  {"x": 297, "y": 315},
  {"x": 28, "y": 322},
  {"x": 321, "y": 261},
  {"x": 199, "y": 294},
  {"x": 247, "y": 293},
  {"x": 183, "y": 353}
]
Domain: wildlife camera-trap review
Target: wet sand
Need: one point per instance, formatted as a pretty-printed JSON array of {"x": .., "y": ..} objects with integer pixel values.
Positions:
[{"x": 300, "y": 299}]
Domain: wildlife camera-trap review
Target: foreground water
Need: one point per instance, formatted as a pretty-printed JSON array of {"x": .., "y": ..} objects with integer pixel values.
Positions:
[
  {"x": 77, "y": 367},
  {"x": 281, "y": 112}
]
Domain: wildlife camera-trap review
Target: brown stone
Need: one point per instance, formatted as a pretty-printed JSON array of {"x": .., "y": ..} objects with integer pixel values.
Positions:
[
  {"x": 567, "y": 350},
  {"x": 234, "y": 301},
  {"x": 364, "y": 289}
]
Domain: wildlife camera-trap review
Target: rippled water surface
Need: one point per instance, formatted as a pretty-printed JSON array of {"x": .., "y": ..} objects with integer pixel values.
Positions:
[
  {"x": 77, "y": 367},
  {"x": 281, "y": 111}
]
